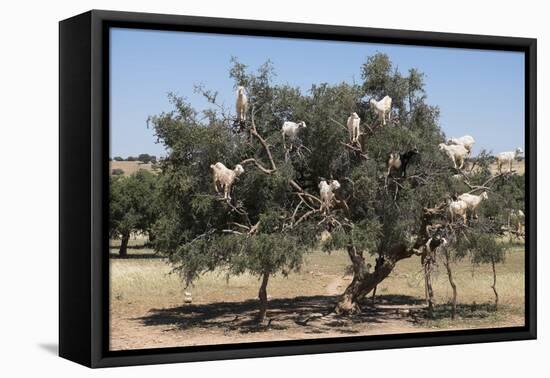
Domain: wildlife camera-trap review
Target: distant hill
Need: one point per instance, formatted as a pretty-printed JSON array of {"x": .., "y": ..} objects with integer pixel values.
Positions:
[{"x": 129, "y": 167}]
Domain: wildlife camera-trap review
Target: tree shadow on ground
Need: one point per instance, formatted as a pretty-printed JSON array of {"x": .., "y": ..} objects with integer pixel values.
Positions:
[
  {"x": 314, "y": 313},
  {"x": 131, "y": 256},
  {"x": 443, "y": 311}
]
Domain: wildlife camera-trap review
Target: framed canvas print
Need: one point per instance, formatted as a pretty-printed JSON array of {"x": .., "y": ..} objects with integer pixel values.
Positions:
[{"x": 235, "y": 188}]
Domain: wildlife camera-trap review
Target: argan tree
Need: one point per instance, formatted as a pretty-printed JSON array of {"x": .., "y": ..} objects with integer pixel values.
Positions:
[{"x": 275, "y": 215}]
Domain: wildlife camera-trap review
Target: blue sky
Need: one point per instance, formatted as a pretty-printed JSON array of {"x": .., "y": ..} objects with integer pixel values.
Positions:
[{"x": 479, "y": 92}]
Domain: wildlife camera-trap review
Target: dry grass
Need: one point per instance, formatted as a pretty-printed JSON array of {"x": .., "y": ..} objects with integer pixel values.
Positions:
[
  {"x": 473, "y": 282},
  {"x": 518, "y": 166},
  {"x": 151, "y": 282},
  {"x": 129, "y": 167},
  {"x": 148, "y": 310}
]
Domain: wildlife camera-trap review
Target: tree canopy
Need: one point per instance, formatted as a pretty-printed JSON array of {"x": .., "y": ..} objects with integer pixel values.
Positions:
[
  {"x": 132, "y": 206},
  {"x": 275, "y": 217}
]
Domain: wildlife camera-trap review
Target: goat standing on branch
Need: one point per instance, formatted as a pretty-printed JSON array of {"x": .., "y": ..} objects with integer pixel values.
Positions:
[
  {"x": 353, "y": 127},
  {"x": 326, "y": 192},
  {"x": 241, "y": 105},
  {"x": 517, "y": 222},
  {"x": 472, "y": 201},
  {"x": 399, "y": 161},
  {"x": 467, "y": 141},
  {"x": 456, "y": 152},
  {"x": 382, "y": 108},
  {"x": 508, "y": 158},
  {"x": 290, "y": 130},
  {"x": 458, "y": 208},
  {"x": 225, "y": 177}
]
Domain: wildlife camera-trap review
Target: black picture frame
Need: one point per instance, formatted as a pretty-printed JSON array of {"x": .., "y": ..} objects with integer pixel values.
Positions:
[{"x": 83, "y": 195}]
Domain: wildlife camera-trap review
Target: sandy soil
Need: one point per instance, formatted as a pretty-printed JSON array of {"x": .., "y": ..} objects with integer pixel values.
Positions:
[{"x": 135, "y": 325}]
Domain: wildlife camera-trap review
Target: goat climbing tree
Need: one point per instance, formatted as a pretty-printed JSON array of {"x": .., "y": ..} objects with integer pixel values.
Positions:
[{"x": 274, "y": 217}]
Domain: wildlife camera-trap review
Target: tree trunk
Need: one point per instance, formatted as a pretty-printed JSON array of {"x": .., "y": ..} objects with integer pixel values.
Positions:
[
  {"x": 428, "y": 286},
  {"x": 123, "y": 251},
  {"x": 494, "y": 282},
  {"x": 363, "y": 281},
  {"x": 451, "y": 281},
  {"x": 262, "y": 295}
]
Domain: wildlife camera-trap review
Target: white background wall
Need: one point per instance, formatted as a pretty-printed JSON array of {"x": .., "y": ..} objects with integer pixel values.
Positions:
[{"x": 29, "y": 185}]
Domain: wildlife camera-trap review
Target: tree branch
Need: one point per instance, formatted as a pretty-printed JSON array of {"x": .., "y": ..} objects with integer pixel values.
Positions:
[
  {"x": 485, "y": 185},
  {"x": 356, "y": 149},
  {"x": 258, "y": 165},
  {"x": 262, "y": 141}
]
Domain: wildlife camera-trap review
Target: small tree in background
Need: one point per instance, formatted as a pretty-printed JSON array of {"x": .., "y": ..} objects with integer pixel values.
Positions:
[
  {"x": 118, "y": 158},
  {"x": 132, "y": 206},
  {"x": 117, "y": 172},
  {"x": 146, "y": 158}
]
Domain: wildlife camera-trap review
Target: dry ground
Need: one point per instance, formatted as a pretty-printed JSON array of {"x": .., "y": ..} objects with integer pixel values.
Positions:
[
  {"x": 517, "y": 166},
  {"x": 129, "y": 167},
  {"x": 147, "y": 308}
]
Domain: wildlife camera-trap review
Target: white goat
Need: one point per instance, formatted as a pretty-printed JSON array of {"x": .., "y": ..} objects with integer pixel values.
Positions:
[
  {"x": 225, "y": 177},
  {"x": 458, "y": 208},
  {"x": 353, "y": 127},
  {"x": 242, "y": 104},
  {"x": 290, "y": 130},
  {"x": 456, "y": 153},
  {"x": 473, "y": 201},
  {"x": 382, "y": 108},
  {"x": 508, "y": 158},
  {"x": 517, "y": 220},
  {"x": 467, "y": 141},
  {"x": 326, "y": 192}
]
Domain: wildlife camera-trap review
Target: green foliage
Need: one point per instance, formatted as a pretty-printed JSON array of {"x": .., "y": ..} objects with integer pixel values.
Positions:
[
  {"x": 118, "y": 158},
  {"x": 117, "y": 172},
  {"x": 200, "y": 232},
  {"x": 132, "y": 203},
  {"x": 146, "y": 158},
  {"x": 482, "y": 241}
]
